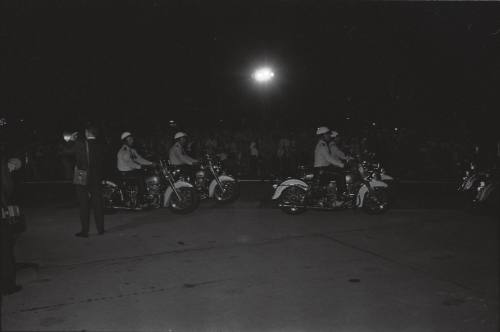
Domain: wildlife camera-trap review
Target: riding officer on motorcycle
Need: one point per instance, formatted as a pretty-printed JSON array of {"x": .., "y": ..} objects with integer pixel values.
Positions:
[
  {"x": 130, "y": 163},
  {"x": 327, "y": 166},
  {"x": 178, "y": 156},
  {"x": 335, "y": 151}
]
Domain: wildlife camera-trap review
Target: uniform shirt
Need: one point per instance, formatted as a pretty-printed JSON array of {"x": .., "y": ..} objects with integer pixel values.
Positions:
[
  {"x": 177, "y": 156},
  {"x": 335, "y": 151},
  {"x": 128, "y": 159},
  {"x": 322, "y": 156}
]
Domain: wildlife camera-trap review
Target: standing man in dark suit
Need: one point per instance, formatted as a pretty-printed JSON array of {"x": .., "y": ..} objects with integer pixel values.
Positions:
[{"x": 89, "y": 153}]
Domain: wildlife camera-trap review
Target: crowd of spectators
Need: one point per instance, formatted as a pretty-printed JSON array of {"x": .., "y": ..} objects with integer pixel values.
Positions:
[{"x": 261, "y": 154}]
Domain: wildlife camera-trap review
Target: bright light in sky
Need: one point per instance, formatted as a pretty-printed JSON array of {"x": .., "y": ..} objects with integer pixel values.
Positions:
[{"x": 263, "y": 75}]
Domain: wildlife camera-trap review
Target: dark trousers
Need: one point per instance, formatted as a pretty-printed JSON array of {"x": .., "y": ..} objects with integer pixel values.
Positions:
[
  {"x": 8, "y": 264},
  {"x": 90, "y": 198},
  {"x": 326, "y": 174}
]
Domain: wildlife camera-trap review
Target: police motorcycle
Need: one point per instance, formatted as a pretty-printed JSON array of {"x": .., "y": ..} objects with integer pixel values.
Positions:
[
  {"x": 480, "y": 188},
  {"x": 470, "y": 180},
  {"x": 470, "y": 183},
  {"x": 365, "y": 190},
  {"x": 161, "y": 190},
  {"x": 488, "y": 193},
  {"x": 211, "y": 180}
]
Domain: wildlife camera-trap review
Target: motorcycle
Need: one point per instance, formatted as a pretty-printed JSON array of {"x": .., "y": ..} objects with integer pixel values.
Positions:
[
  {"x": 161, "y": 190},
  {"x": 211, "y": 181},
  {"x": 485, "y": 194},
  {"x": 470, "y": 180},
  {"x": 363, "y": 190}
]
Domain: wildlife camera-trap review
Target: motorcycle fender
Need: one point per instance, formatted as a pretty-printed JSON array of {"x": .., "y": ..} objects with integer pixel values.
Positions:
[
  {"x": 286, "y": 184},
  {"x": 213, "y": 184},
  {"x": 109, "y": 183},
  {"x": 364, "y": 189},
  {"x": 168, "y": 193}
]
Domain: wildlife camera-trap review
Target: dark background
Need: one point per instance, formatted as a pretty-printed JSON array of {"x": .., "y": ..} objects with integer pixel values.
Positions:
[{"x": 428, "y": 66}]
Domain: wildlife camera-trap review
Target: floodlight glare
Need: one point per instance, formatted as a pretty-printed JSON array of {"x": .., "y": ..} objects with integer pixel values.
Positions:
[{"x": 263, "y": 75}]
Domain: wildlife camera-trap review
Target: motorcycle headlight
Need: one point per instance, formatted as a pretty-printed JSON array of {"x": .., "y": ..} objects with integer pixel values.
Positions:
[{"x": 467, "y": 173}]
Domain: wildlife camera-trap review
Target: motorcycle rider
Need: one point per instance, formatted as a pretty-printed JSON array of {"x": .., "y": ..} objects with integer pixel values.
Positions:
[
  {"x": 327, "y": 166},
  {"x": 130, "y": 163},
  {"x": 177, "y": 154},
  {"x": 335, "y": 151}
]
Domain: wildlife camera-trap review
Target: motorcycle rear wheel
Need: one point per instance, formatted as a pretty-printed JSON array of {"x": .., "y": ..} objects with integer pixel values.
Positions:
[
  {"x": 292, "y": 200},
  {"x": 189, "y": 203},
  {"x": 376, "y": 201}
]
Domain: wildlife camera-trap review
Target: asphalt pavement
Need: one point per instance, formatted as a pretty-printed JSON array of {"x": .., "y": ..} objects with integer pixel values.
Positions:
[{"x": 425, "y": 265}]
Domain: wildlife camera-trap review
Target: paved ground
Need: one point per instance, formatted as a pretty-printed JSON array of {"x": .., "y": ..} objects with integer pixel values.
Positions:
[{"x": 249, "y": 268}]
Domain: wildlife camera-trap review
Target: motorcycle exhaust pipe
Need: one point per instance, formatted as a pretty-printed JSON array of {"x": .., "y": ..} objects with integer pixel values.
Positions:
[
  {"x": 323, "y": 208},
  {"x": 281, "y": 205}
]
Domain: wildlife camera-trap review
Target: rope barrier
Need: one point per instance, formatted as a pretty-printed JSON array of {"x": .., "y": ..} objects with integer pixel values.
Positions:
[{"x": 265, "y": 181}]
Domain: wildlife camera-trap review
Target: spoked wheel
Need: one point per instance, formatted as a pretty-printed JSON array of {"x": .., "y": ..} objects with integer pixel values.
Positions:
[
  {"x": 188, "y": 203},
  {"x": 292, "y": 200},
  {"x": 376, "y": 201},
  {"x": 230, "y": 193}
]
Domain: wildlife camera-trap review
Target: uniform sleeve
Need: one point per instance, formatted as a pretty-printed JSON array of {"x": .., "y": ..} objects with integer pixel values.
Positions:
[
  {"x": 334, "y": 161},
  {"x": 185, "y": 158},
  {"x": 337, "y": 152},
  {"x": 140, "y": 160}
]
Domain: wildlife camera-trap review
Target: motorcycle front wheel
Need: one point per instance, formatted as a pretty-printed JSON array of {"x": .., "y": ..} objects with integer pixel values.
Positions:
[
  {"x": 188, "y": 203},
  {"x": 376, "y": 201},
  {"x": 230, "y": 193},
  {"x": 292, "y": 200}
]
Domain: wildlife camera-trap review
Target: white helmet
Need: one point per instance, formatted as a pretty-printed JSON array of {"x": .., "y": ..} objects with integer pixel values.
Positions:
[
  {"x": 334, "y": 134},
  {"x": 322, "y": 130},
  {"x": 179, "y": 135},
  {"x": 125, "y": 135}
]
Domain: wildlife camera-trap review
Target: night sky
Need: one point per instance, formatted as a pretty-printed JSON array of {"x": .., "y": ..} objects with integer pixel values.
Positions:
[{"x": 406, "y": 64}]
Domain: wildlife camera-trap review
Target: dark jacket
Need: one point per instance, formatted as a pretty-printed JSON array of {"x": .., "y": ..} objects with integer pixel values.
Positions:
[{"x": 95, "y": 163}]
